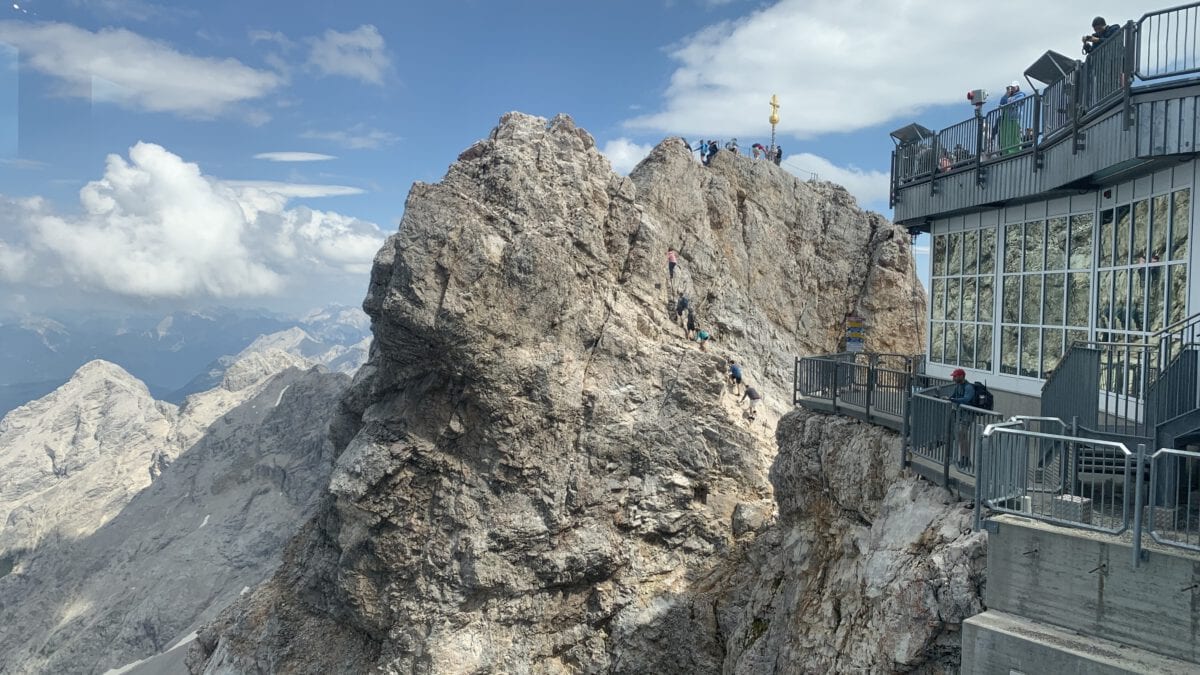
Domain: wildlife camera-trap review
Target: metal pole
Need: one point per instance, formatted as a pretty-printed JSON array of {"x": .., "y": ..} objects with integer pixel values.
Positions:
[
  {"x": 905, "y": 429},
  {"x": 1137, "y": 506},
  {"x": 980, "y": 474}
]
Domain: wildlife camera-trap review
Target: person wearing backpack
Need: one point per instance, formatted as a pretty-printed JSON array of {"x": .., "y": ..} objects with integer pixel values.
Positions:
[{"x": 963, "y": 393}]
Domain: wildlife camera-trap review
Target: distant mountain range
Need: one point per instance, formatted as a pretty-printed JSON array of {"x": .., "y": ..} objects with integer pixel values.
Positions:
[{"x": 174, "y": 355}]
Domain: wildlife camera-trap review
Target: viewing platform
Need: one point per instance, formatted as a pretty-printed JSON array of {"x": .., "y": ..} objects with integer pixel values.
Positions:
[{"x": 1129, "y": 108}]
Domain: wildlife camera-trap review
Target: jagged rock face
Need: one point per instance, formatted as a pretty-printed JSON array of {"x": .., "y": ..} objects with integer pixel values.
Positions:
[
  {"x": 865, "y": 570},
  {"x": 212, "y": 526},
  {"x": 535, "y": 458}
]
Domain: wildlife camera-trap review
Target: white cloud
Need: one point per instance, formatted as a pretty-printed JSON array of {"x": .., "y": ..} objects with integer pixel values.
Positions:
[
  {"x": 302, "y": 190},
  {"x": 136, "y": 72},
  {"x": 868, "y": 187},
  {"x": 359, "y": 54},
  {"x": 624, "y": 154},
  {"x": 293, "y": 156},
  {"x": 357, "y": 137},
  {"x": 155, "y": 227},
  {"x": 844, "y": 65}
]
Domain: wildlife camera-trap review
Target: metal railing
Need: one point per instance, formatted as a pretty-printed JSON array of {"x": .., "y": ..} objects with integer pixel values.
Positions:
[
  {"x": 1106, "y": 70},
  {"x": 869, "y": 385},
  {"x": 1010, "y": 128},
  {"x": 1167, "y": 44},
  {"x": 1068, "y": 480},
  {"x": 958, "y": 146},
  {"x": 1173, "y": 512},
  {"x": 1056, "y": 101},
  {"x": 1160, "y": 45}
]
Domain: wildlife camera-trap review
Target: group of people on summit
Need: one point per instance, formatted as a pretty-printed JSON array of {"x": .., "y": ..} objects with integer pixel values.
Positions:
[
  {"x": 683, "y": 313},
  {"x": 709, "y": 149}
]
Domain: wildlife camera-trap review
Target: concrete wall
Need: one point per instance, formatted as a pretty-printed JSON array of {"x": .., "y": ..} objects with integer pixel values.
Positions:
[{"x": 1087, "y": 583}]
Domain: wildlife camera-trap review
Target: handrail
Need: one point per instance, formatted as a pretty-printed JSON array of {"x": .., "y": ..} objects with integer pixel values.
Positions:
[{"x": 1160, "y": 22}]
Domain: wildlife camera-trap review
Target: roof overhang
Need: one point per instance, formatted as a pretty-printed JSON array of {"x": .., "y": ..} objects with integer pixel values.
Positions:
[
  {"x": 1051, "y": 67},
  {"x": 911, "y": 133}
]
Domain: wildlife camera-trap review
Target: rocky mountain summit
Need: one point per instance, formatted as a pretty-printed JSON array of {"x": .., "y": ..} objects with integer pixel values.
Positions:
[
  {"x": 537, "y": 472},
  {"x": 73, "y": 459},
  {"x": 128, "y": 521}
]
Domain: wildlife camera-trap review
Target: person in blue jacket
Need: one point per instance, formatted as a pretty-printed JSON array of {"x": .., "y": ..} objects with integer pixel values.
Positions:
[
  {"x": 1101, "y": 32},
  {"x": 735, "y": 376},
  {"x": 963, "y": 393}
]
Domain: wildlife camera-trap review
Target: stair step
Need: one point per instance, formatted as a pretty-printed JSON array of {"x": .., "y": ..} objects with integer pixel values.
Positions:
[{"x": 998, "y": 642}]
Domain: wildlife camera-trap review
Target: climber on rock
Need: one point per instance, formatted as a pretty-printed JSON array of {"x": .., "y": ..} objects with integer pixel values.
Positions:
[
  {"x": 755, "y": 397},
  {"x": 735, "y": 376},
  {"x": 691, "y": 324},
  {"x": 702, "y": 336},
  {"x": 672, "y": 261},
  {"x": 681, "y": 306}
]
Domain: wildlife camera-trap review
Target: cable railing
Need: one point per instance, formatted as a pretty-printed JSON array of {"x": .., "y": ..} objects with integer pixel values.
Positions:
[
  {"x": 1167, "y": 43},
  {"x": 1161, "y": 45}
]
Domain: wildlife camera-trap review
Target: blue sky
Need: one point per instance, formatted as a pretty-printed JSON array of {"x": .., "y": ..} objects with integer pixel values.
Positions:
[{"x": 149, "y": 150}]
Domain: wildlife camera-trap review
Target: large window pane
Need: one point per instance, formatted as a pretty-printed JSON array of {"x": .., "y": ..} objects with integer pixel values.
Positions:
[
  {"x": 1141, "y": 229},
  {"x": 1052, "y": 349},
  {"x": 983, "y": 349},
  {"x": 1030, "y": 348},
  {"x": 1106, "y": 238},
  {"x": 1121, "y": 236},
  {"x": 1160, "y": 226},
  {"x": 970, "y": 252},
  {"x": 939, "y": 255},
  {"x": 987, "y": 251},
  {"x": 1056, "y": 243},
  {"x": 1011, "y": 299},
  {"x": 1081, "y": 241},
  {"x": 966, "y": 352},
  {"x": 1156, "y": 297},
  {"x": 952, "y": 344},
  {"x": 986, "y": 299},
  {"x": 1053, "y": 314},
  {"x": 1121, "y": 299},
  {"x": 953, "y": 297},
  {"x": 1077, "y": 298},
  {"x": 1009, "y": 349},
  {"x": 1012, "y": 248},
  {"x": 937, "y": 342},
  {"x": 970, "y": 300},
  {"x": 1137, "y": 298},
  {"x": 1180, "y": 222},
  {"x": 1104, "y": 301},
  {"x": 1031, "y": 299},
  {"x": 1178, "y": 293},
  {"x": 939, "y": 299},
  {"x": 954, "y": 254},
  {"x": 1035, "y": 243}
]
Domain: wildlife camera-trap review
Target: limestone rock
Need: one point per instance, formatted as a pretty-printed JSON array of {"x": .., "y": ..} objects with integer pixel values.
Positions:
[
  {"x": 535, "y": 465},
  {"x": 71, "y": 460},
  {"x": 211, "y": 525}
]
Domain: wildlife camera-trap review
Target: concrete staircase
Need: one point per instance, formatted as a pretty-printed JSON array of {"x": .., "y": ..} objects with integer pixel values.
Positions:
[{"x": 1064, "y": 600}]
